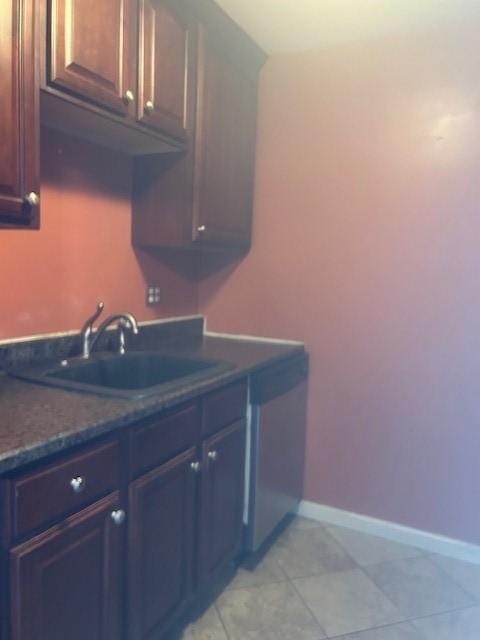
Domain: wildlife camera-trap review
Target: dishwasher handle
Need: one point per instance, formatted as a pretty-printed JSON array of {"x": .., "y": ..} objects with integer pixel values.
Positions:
[{"x": 278, "y": 379}]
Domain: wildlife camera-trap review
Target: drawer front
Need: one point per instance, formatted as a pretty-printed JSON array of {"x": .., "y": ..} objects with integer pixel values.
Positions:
[
  {"x": 154, "y": 443},
  {"x": 47, "y": 494},
  {"x": 223, "y": 407}
]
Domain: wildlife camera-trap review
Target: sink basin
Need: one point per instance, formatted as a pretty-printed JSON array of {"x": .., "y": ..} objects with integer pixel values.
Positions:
[{"x": 133, "y": 375}]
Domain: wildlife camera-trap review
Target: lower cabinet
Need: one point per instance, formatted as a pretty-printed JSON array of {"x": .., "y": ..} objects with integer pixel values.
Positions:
[
  {"x": 161, "y": 538},
  {"x": 67, "y": 582},
  {"x": 222, "y": 499},
  {"x": 88, "y": 567},
  {"x": 169, "y": 557}
]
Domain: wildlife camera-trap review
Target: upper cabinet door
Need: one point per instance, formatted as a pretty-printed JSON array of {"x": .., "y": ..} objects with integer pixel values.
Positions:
[
  {"x": 166, "y": 62},
  {"x": 19, "y": 146},
  {"x": 224, "y": 147},
  {"x": 92, "y": 47}
]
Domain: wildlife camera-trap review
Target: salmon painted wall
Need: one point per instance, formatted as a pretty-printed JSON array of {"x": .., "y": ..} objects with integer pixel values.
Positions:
[
  {"x": 51, "y": 280},
  {"x": 367, "y": 247}
]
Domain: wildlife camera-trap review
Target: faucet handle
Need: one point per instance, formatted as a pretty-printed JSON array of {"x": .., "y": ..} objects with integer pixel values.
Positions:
[
  {"x": 98, "y": 312},
  {"x": 88, "y": 328},
  {"x": 94, "y": 317}
]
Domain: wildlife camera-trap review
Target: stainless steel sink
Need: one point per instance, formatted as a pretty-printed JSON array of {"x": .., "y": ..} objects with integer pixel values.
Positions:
[{"x": 133, "y": 375}]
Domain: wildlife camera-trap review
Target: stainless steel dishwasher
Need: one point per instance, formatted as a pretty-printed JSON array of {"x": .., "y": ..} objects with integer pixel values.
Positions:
[{"x": 276, "y": 447}]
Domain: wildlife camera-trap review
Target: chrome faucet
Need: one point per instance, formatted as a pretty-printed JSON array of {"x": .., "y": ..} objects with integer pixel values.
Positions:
[{"x": 123, "y": 320}]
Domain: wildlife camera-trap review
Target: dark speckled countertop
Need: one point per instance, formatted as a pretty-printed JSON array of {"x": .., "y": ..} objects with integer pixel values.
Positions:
[{"x": 36, "y": 421}]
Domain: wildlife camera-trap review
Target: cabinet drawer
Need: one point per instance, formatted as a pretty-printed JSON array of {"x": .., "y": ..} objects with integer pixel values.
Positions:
[
  {"x": 46, "y": 494},
  {"x": 154, "y": 443},
  {"x": 224, "y": 407}
]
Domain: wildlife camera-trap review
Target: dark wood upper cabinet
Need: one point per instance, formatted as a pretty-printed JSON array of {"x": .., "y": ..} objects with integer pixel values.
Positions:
[
  {"x": 161, "y": 539},
  {"x": 222, "y": 499},
  {"x": 91, "y": 46},
  {"x": 68, "y": 582},
  {"x": 204, "y": 199},
  {"x": 99, "y": 60},
  {"x": 224, "y": 153},
  {"x": 19, "y": 115},
  {"x": 166, "y": 60},
  {"x": 90, "y": 73}
]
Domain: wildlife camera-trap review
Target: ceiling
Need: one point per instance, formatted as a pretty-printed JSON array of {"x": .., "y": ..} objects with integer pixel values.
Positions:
[{"x": 299, "y": 25}]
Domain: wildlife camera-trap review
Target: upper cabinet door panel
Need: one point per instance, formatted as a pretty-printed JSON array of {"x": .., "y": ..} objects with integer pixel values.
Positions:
[
  {"x": 166, "y": 50},
  {"x": 225, "y": 147},
  {"x": 10, "y": 174},
  {"x": 19, "y": 146},
  {"x": 91, "y": 50}
]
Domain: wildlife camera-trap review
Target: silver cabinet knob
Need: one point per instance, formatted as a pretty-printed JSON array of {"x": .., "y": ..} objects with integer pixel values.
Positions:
[
  {"x": 118, "y": 517},
  {"x": 78, "y": 484},
  {"x": 33, "y": 199},
  {"x": 195, "y": 467},
  {"x": 149, "y": 106},
  {"x": 129, "y": 96},
  {"x": 213, "y": 455},
  {"x": 201, "y": 228}
]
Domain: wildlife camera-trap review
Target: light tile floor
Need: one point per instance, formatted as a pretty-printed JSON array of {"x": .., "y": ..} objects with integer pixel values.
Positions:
[{"x": 320, "y": 581}]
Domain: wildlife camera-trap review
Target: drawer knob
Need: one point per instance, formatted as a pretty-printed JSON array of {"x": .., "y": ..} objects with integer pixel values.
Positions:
[
  {"x": 77, "y": 484},
  {"x": 149, "y": 106},
  {"x": 118, "y": 517},
  {"x": 195, "y": 467},
  {"x": 213, "y": 455},
  {"x": 129, "y": 97},
  {"x": 33, "y": 199}
]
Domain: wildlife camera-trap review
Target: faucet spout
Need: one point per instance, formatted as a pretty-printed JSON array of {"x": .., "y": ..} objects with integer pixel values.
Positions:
[{"x": 124, "y": 321}]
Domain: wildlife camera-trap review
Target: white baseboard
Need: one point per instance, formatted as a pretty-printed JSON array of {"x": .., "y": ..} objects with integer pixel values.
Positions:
[{"x": 429, "y": 542}]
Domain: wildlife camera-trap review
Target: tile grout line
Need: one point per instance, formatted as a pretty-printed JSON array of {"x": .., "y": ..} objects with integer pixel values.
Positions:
[
  {"x": 422, "y": 554},
  {"x": 284, "y": 577},
  {"x": 337, "y": 544},
  {"x": 365, "y": 572},
  {"x": 289, "y": 581},
  {"x": 406, "y": 621},
  {"x": 466, "y": 593},
  {"x": 403, "y": 620},
  {"x": 427, "y": 616},
  {"x": 445, "y": 573},
  {"x": 253, "y": 586},
  {"x": 443, "y": 613},
  {"x": 356, "y": 565},
  {"x": 221, "y": 619},
  {"x": 385, "y": 626},
  {"x": 369, "y": 577}
]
